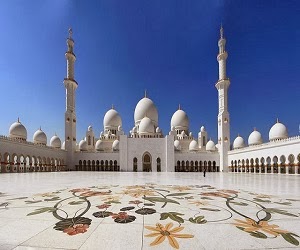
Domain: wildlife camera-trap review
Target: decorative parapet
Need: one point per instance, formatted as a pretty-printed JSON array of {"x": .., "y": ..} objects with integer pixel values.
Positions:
[
  {"x": 6, "y": 138},
  {"x": 267, "y": 144}
]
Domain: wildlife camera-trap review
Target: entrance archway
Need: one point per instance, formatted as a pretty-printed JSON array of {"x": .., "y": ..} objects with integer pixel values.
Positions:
[{"x": 147, "y": 163}]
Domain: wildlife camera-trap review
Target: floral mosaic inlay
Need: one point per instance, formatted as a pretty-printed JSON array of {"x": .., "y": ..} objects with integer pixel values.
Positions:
[{"x": 172, "y": 209}]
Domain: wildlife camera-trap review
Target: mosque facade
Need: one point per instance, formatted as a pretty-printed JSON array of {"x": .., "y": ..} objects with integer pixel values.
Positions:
[{"x": 145, "y": 147}]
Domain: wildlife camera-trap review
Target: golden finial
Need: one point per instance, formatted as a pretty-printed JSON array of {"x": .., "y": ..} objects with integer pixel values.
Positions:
[
  {"x": 18, "y": 119},
  {"x": 40, "y": 127},
  {"x": 254, "y": 129},
  {"x": 145, "y": 92},
  {"x": 238, "y": 134},
  {"x": 112, "y": 106},
  {"x": 70, "y": 33},
  {"x": 221, "y": 31},
  {"x": 277, "y": 120},
  {"x": 179, "y": 107}
]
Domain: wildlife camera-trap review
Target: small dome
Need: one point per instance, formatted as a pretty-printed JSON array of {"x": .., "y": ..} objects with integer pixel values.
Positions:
[
  {"x": 202, "y": 129},
  {"x": 120, "y": 128},
  {"x": 177, "y": 145},
  {"x": 112, "y": 119},
  {"x": 115, "y": 145},
  {"x": 63, "y": 146},
  {"x": 146, "y": 126},
  {"x": 145, "y": 107},
  {"x": 39, "y": 137},
  {"x": 55, "y": 142},
  {"x": 210, "y": 146},
  {"x": 238, "y": 143},
  {"x": 90, "y": 128},
  {"x": 99, "y": 145},
  {"x": 83, "y": 145},
  {"x": 183, "y": 134},
  {"x": 158, "y": 130},
  {"x": 278, "y": 131},
  {"x": 180, "y": 120},
  {"x": 191, "y": 134},
  {"x": 193, "y": 146},
  {"x": 255, "y": 138},
  {"x": 18, "y": 131}
]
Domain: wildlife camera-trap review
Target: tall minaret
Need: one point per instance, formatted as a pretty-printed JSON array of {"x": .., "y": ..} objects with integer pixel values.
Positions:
[
  {"x": 223, "y": 116},
  {"x": 70, "y": 114}
]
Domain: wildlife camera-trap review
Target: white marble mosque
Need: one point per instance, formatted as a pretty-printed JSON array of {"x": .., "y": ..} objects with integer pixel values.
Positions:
[{"x": 145, "y": 147}]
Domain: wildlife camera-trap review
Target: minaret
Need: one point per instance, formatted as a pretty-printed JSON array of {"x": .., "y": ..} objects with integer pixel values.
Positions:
[
  {"x": 223, "y": 116},
  {"x": 70, "y": 114}
]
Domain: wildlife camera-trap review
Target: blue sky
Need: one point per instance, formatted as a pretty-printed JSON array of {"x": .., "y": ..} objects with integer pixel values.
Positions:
[{"x": 167, "y": 47}]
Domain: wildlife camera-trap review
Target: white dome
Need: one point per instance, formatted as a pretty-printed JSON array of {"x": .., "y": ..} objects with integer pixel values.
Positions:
[
  {"x": 183, "y": 134},
  {"x": 18, "y": 131},
  {"x": 145, "y": 107},
  {"x": 158, "y": 130},
  {"x": 180, "y": 120},
  {"x": 115, "y": 145},
  {"x": 90, "y": 128},
  {"x": 55, "y": 142},
  {"x": 39, "y": 137},
  {"x": 202, "y": 129},
  {"x": 112, "y": 119},
  {"x": 63, "y": 146},
  {"x": 82, "y": 145},
  {"x": 177, "y": 145},
  {"x": 120, "y": 128},
  {"x": 146, "y": 126},
  {"x": 210, "y": 146},
  {"x": 238, "y": 142},
  {"x": 255, "y": 138},
  {"x": 193, "y": 145},
  {"x": 99, "y": 145},
  {"x": 278, "y": 131}
]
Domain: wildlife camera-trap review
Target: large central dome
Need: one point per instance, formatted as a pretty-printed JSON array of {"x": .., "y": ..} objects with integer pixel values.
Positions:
[{"x": 145, "y": 108}]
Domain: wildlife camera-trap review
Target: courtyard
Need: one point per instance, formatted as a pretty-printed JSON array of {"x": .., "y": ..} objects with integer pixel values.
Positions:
[{"x": 117, "y": 210}]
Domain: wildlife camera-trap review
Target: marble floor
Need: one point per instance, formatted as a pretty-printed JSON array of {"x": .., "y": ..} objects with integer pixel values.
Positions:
[{"x": 106, "y": 210}]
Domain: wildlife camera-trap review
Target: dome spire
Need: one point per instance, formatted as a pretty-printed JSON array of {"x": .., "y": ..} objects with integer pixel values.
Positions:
[
  {"x": 112, "y": 106},
  {"x": 221, "y": 32},
  {"x": 179, "y": 107},
  {"x": 277, "y": 120},
  {"x": 145, "y": 93},
  {"x": 70, "y": 33},
  {"x": 18, "y": 119}
]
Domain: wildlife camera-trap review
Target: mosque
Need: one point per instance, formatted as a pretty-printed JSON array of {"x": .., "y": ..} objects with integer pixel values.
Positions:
[{"x": 145, "y": 148}]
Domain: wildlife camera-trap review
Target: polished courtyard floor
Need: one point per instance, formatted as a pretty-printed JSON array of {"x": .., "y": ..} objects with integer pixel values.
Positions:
[{"x": 102, "y": 210}]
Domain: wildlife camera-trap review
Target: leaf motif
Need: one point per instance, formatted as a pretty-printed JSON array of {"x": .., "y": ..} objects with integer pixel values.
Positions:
[
  {"x": 128, "y": 219},
  {"x": 43, "y": 210},
  {"x": 52, "y": 199},
  {"x": 210, "y": 209},
  {"x": 261, "y": 200},
  {"x": 177, "y": 194},
  {"x": 198, "y": 220},
  {"x": 239, "y": 203},
  {"x": 287, "y": 203},
  {"x": 102, "y": 214},
  {"x": 279, "y": 211},
  {"x": 32, "y": 202},
  {"x": 145, "y": 211},
  {"x": 126, "y": 208},
  {"x": 66, "y": 223},
  {"x": 176, "y": 218},
  {"x": 164, "y": 216},
  {"x": 160, "y": 199},
  {"x": 206, "y": 198},
  {"x": 289, "y": 238},
  {"x": 258, "y": 235},
  {"x": 19, "y": 198},
  {"x": 149, "y": 204},
  {"x": 75, "y": 202},
  {"x": 241, "y": 228}
]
